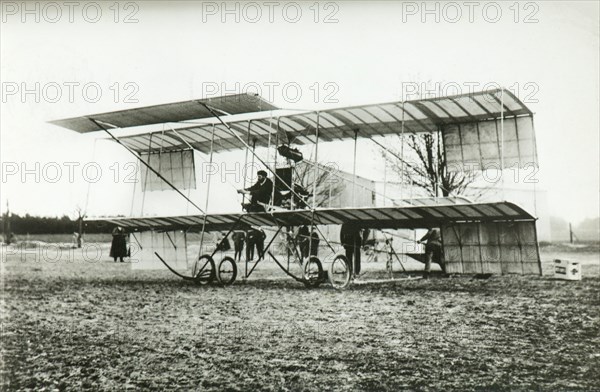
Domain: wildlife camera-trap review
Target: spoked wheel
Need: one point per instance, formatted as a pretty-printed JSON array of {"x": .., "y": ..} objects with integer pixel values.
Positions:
[
  {"x": 313, "y": 270},
  {"x": 204, "y": 270},
  {"x": 227, "y": 271},
  {"x": 339, "y": 272}
]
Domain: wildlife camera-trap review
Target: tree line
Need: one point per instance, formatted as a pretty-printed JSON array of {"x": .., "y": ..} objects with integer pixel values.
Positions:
[{"x": 29, "y": 224}]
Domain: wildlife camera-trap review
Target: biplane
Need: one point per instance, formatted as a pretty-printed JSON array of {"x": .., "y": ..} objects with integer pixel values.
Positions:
[{"x": 477, "y": 129}]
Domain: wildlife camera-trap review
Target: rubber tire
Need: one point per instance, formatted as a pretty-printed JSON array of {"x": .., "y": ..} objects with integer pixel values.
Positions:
[
  {"x": 346, "y": 280},
  {"x": 313, "y": 282},
  {"x": 205, "y": 279},
  {"x": 234, "y": 272}
]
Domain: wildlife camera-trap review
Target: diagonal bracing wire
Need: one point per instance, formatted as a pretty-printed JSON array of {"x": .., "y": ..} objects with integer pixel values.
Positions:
[{"x": 98, "y": 123}]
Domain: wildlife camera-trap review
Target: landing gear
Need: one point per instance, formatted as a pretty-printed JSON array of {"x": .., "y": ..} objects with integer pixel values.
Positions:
[
  {"x": 313, "y": 272},
  {"x": 339, "y": 272},
  {"x": 203, "y": 271},
  {"x": 227, "y": 271}
]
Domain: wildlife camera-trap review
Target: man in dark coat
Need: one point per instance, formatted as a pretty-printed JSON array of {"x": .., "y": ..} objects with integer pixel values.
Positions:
[
  {"x": 118, "y": 247},
  {"x": 303, "y": 240},
  {"x": 238, "y": 244},
  {"x": 255, "y": 238},
  {"x": 314, "y": 243},
  {"x": 260, "y": 237},
  {"x": 260, "y": 192},
  {"x": 250, "y": 241},
  {"x": 352, "y": 240}
]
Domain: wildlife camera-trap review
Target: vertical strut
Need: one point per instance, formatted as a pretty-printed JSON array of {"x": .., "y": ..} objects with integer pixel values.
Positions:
[
  {"x": 314, "y": 200},
  {"x": 402, "y": 155},
  {"x": 502, "y": 139},
  {"x": 354, "y": 169},
  {"x": 246, "y": 160},
  {"x": 146, "y": 176},
  {"x": 212, "y": 141}
]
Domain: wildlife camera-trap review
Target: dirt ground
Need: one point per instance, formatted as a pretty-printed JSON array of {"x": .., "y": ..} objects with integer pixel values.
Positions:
[{"x": 72, "y": 324}]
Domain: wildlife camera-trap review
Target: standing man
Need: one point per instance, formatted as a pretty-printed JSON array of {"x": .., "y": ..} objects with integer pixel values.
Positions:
[
  {"x": 351, "y": 239},
  {"x": 303, "y": 240},
  {"x": 238, "y": 244},
  {"x": 260, "y": 237},
  {"x": 314, "y": 243},
  {"x": 433, "y": 250},
  {"x": 260, "y": 193},
  {"x": 250, "y": 241},
  {"x": 118, "y": 247}
]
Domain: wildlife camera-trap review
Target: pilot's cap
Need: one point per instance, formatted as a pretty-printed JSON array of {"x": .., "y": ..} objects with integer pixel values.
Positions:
[{"x": 262, "y": 173}]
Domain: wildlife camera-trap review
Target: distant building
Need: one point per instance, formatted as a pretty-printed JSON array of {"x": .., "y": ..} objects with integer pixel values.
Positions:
[
  {"x": 345, "y": 189},
  {"x": 360, "y": 193}
]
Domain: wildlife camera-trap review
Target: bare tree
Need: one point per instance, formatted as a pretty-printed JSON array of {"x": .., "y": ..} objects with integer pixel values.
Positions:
[
  {"x": 80, "y": 216},
  {"x": 8, "y": 236},
  {"x": 423, "y": 164}
]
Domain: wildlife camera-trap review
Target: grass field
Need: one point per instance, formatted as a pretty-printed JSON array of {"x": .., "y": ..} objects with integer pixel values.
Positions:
[{"x": 76, "y": 325}]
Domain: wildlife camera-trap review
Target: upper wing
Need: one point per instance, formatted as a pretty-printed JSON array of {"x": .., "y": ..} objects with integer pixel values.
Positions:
[
  {"x": 166, "y": 113},
  {"x": 371, "y": 217},
  {"x": 470, "y": 125},
  {"x": 487, "y": 129}
]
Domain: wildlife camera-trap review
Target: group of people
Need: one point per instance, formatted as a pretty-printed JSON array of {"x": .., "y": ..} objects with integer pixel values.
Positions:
[
  {"x": 353, "y": 238},
  {"x": 253, "y": 239}
]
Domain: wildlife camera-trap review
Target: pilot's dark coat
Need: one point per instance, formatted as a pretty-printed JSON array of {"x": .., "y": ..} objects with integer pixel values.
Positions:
[{"x": 261, "y": 192}]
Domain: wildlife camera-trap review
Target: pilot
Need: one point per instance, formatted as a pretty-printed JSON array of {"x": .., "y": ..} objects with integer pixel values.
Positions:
[
  {"x": 433, "y": 250},
  {"x": 260, "y": 193}
]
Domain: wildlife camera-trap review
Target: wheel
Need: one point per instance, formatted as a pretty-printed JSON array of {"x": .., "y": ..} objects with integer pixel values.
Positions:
[
  {"x": 313, "y": 271},
  {"x": 227, "y": 271},
  {"x": 204, "y": 270},
  {"x": 339, "y": 272}
]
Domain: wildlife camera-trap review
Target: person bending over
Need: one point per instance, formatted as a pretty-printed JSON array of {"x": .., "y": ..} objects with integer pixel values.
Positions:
[{"x": 433, "y": 250}]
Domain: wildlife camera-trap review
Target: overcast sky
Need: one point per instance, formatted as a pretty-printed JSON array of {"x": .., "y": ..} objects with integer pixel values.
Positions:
[{"x": 83, "y": 58}]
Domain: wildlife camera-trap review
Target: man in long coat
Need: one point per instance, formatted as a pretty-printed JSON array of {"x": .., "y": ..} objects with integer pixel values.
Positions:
[
  {"x": 118, "y": 247},
  {"x": 352, "y": 238},
  {"x": 238, "y": 244}
]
